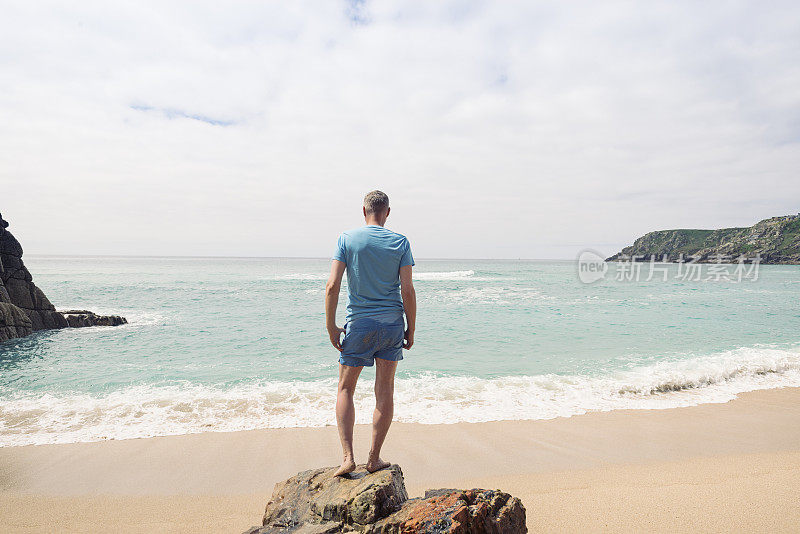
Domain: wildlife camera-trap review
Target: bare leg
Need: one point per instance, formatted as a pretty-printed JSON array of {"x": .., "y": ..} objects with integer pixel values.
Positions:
[
  {"x": 384, "y": 410},
  {"x": 346, "y": 415}
]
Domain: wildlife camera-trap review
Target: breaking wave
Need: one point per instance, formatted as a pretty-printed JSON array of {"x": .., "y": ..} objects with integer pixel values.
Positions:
[
  {"x": 429, "y": 275},
  {"x": 182, "y": 408},
  {"x": 300, "y": 276},
  {"x": 444, "y": 275}
]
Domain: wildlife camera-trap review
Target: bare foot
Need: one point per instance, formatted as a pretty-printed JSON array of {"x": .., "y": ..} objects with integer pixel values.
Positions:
[
  {"x": 348, "y": 466},
  {"x": 376, "y": 465}
]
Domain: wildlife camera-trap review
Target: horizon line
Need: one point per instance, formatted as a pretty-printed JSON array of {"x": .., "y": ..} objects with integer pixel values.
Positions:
[{"x": 154, "y": 256}]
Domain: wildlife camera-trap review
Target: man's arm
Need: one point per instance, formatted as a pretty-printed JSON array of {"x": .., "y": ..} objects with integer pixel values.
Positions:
[
  {"x": 332, "y": 301},
  {"x": 409, "y": 304}
]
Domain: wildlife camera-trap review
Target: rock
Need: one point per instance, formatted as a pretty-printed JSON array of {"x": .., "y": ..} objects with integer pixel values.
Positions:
[
  {"x": 23, "y": 299},
  {"x": 316, "y": 496},
  {"x": 774, "y": 241},
  {"x": 9, "y": 246},
  {"x": 9, "y": 265},
  {"x": 315, "y": 502},
  {"x": 52, "y": 319},
  {"x": 457, "y": 512},
  {"x": 20, "y": 293},
  {"x": 13, "y": 322},
  {"x": 80, "y": 318},
  {"x": 40, "y": 301},
  {"x": 4, "y": 296}
]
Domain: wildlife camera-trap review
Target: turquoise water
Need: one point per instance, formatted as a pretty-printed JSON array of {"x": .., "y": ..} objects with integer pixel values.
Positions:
[{"x": 220, "y": 344}]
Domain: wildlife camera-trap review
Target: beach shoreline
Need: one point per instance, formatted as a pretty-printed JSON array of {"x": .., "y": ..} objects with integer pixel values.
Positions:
[{"x": 742, "y": 454}]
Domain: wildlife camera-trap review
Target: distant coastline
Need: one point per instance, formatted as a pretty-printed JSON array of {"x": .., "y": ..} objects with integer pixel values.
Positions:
[{"x": 773, "y": 241}]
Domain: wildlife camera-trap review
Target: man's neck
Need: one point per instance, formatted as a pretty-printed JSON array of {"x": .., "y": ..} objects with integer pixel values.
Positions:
[{"x": 373, "y": 222}]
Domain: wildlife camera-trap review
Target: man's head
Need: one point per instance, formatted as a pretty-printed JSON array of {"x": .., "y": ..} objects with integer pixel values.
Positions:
[{"x": 376, "y": 207}]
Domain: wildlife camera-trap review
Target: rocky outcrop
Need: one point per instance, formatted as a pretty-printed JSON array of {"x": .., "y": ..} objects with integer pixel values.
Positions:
[
  {"x": 79, "y": 318},
  {"x": 24, "y": 308},
  {"x": 773, "y": 241},
  {"x": 316, "y": 502}
]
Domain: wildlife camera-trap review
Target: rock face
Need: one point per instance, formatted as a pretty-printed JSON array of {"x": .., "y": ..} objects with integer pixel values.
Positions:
[
  {"x": 13, "y": 321},
  {"x": 316, "y": 502},
  {"x": 775, "y": 241},
  {"x": 24, "y": 308}
]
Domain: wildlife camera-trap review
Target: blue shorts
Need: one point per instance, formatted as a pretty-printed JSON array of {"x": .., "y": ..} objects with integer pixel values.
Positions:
[{"x": 366, "y": 339}]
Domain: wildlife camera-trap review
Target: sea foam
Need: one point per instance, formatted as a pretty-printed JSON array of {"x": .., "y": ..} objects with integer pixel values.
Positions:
[
  {"x": 183, "y": 408},
  {"x": 444, "y": 275},
  {"x": 429, "y": 275}
]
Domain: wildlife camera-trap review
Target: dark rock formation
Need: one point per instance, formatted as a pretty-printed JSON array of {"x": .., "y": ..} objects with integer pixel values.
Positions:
[
  {"x": 316, "y": 502},
  {"x": 79, "y": 318},
  {"x": 24, "y": 308},
  {"x": 774, "y": 241}
]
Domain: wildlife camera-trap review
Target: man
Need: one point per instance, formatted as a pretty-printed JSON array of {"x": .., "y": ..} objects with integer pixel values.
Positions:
[{"x": 378, "y": 263}]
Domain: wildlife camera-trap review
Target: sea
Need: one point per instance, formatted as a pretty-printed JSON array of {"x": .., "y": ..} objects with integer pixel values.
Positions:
[{"x": 226, "y": 344}]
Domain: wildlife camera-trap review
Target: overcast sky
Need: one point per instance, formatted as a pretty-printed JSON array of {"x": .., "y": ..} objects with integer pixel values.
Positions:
[{"x": 498, "y": 129}]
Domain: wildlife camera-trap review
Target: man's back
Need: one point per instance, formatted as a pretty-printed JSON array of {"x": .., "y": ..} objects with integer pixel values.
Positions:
[
  {"x": 380, "y": 287},
  {"x": 373, "y": 256}
]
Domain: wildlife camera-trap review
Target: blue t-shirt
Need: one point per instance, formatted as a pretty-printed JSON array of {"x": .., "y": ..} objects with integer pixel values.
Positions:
[{"x": 373, "y": 256}]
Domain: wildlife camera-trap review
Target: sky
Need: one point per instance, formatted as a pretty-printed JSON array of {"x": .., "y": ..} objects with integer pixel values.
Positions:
[{"x": 498, "y": 129}]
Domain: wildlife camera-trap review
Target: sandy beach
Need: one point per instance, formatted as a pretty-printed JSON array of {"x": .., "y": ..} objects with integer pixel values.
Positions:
[{"x": 712, "y": 467}]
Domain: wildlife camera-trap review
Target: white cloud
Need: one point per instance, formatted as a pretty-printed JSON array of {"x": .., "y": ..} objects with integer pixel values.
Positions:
[{"x": 499, "y": 129}]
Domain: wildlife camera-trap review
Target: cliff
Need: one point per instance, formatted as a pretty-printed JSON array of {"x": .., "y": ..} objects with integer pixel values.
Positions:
[
  {"x": 775, "y": 241},
  {"x": 316, "y": 502},
  {"x": 24, "y": 308}
]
